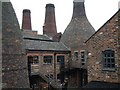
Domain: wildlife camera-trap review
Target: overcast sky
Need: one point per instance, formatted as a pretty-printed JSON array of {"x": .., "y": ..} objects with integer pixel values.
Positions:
[{"x": 97, "y": 11}]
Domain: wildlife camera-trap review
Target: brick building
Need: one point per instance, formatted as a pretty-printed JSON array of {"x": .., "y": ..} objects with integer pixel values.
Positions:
[
  {"x": 45, "y": 59},
  {"x": 84, "y": 57}
]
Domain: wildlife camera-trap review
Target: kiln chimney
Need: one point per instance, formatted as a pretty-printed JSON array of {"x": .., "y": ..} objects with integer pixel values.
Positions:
[
  {"x": 78, "y": 9},
  {"x": 49, "y": 27},
  {"x": 14, "y": 65},
  {"x": 26, "y": 22},
  {"x": 79, "y": 28},
  {"x": 119, "y": 5}
]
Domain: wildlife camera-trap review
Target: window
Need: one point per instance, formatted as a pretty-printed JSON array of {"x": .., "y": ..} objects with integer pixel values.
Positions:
[
  {"x": 108, "y": 59},
  {"x": 75, "y": 55},
  {"x": 60, "y": 59},
  {"x": 47, "y": 59},
  {"x": 82, "y": 57},
  {"x": 33, "y": 59}
]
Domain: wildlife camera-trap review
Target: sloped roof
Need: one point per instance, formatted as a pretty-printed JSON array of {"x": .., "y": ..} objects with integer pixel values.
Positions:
[
  {"x": 33, "y": 35},
  {"x": 44, "y": 45}
]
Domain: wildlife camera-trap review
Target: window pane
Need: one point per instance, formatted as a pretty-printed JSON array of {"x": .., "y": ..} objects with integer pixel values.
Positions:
[
  {"x": 108, "y": 65},
  {"x": 82, "y": 54},
  {"x": 105, "y": 61},
  {"x": 113, "y": 65},
  {"x": 112, "y": 55},
  {"x": 60, "y": 59},
  {"x": 108, "y": 54},
  {"x": 112, "y": 60},
  {"x": 30, "y": 58},
  {"x": 83, "y": 58},
  {"x": 108, "y": 60},
  {"x": 35, "y": 59},
  {"x": 83, "y": 63},
  {"x": 76, "y": 55}
]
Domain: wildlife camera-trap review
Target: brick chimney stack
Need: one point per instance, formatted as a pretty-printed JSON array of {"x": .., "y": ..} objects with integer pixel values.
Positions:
[
  {"x": 49, "y": 27},
  {"x": 26, "y": 22}
]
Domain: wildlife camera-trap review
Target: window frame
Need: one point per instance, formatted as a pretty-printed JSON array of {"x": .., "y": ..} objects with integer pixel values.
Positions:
[
  {"x": 58, "y": 60},
  {"x": 107, "y": 57},
  {"x": 47, "y": 59},
  {"x": 33, "y": 60},
  {"x": 76, "y": 58},
  {"x": 83, "y": 59}
]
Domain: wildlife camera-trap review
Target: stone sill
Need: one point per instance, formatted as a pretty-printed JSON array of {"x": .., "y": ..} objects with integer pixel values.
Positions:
[{"x": 109, "y": 69}]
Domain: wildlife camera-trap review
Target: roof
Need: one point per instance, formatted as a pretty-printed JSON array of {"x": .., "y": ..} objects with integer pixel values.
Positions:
[
  {"x": 103, "y": 25},
  {"x": 44, "y": 45},
  {"x": 33, "y": 35},
  {"x": 101, "y": 84}
]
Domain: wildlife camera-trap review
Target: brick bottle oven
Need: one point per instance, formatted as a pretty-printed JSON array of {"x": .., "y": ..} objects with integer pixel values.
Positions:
[{"x": 14, "y": 65}]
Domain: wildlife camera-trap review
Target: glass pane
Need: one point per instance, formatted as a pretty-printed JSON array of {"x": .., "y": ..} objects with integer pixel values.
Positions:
[
  {"x": 105, "y": 55},
  {"x": 112, "y": 60},
  {"x": 113, "y": 65},
  {"x": 105, "y": 60},
  {"x": 82, "y": 54},
  {"x": 108, "y": 60},
  {"x": 76, "y": 55},
  {"x": 108, "y": 65},
  {"x": 83, "y": 63},
  {"x": 47, "y": 59},
  {"x": 82, "y": 60},
  {"x": 108, "y": 54},
  {"x": 105, "y": 65},
  {"x": 112, "y": 54}
]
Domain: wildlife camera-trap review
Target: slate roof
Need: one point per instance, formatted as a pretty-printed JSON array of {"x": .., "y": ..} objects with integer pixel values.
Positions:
[
  {"x": 44, "y": 45},
  {"x": 34, "y": 35}
]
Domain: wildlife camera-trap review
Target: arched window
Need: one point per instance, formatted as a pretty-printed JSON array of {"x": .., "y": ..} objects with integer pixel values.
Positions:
[{"x": 108, "y": 59}]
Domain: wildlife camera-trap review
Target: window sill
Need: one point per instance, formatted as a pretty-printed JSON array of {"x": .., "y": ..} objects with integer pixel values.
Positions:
[
  {"x": 47, "y": 63},
  {"x": 109, "y": 69}
]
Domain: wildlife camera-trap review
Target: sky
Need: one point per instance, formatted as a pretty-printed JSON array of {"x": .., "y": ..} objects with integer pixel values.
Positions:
[{"x": 97, "y": 11}]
